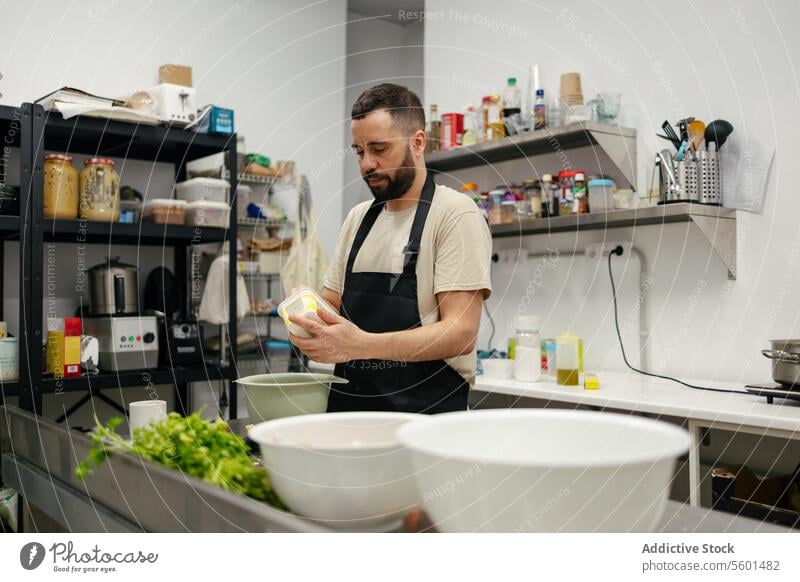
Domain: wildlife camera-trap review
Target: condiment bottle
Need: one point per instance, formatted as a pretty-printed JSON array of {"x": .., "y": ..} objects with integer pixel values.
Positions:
[
  {"x": 567, "y": 359},
  {"x": 434, "y": 131},
  {"x": 527, "y": 349},
  {"x": 581, "y": 197}
]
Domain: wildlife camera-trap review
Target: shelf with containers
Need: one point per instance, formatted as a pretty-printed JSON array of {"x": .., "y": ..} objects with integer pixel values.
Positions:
[
  {"x": 613, "y": 149},
  {"x": 100, "y": 137},
  {"x": 15, "y": 180}
]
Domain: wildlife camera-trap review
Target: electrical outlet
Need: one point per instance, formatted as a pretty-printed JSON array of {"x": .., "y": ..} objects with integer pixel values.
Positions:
[{"x": 602, "y": 250}]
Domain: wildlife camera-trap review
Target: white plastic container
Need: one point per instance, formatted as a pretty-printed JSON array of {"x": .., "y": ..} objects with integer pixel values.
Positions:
[
  {"x": 304, "y": 302},
  {"x": 164, "y": 211},
  {"x": 497, "y": 368},
  {"x": 205, "y": 213},
  {"x": 601, "y": 194},
  {"x": 270, "y": 262},
  {"x": 528, "y": 349},
  {"x": 209, "y": 189}
]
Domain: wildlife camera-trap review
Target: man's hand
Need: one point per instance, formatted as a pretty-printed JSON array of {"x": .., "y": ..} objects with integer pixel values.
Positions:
[{"x": 337, "y": 340}]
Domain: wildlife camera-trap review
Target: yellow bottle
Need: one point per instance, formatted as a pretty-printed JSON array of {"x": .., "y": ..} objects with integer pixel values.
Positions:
[{"x": 567, "y": 359}]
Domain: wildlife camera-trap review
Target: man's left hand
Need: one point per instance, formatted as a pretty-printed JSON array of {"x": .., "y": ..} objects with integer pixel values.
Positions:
[{"x": 337, "y": 340}]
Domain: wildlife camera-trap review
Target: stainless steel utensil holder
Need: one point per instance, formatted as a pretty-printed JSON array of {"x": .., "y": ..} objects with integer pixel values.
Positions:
[{"x": 710, "y": 191}]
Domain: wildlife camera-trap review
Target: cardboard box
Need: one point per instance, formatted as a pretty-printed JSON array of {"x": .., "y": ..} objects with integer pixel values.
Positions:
[{"x": 175, "y": 74}]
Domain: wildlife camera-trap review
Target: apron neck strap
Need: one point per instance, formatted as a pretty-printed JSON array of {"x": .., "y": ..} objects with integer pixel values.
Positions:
[{"x": 411, "y": 250}]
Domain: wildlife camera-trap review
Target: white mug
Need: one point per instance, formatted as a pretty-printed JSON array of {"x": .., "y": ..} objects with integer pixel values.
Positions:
[{"x": 145, "y": 412}]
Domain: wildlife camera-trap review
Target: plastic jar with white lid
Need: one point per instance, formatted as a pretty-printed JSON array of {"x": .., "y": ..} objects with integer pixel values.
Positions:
[{"x": 528, "y": 349}]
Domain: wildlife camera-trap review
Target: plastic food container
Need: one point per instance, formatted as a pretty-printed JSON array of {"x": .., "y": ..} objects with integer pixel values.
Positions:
[
  {"x": 498, "y": 368},
  {"x": 9, "y": 358},
  {"x": 243, "y": 195},
  {"x": 601, "y": 194},
  {"x": 270, "y": 262},
  {"x": 209, "y": 189},
  {"x": 304, "y": 302},
  {"x": 164, "y": 211},
  {"x": 206, "y": 213}
]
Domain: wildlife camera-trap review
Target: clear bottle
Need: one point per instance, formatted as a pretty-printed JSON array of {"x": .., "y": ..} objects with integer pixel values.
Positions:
[
  {"x": 492, "y": 126},
  {"x": 527, "y": 349},
  {"x": 581, "y": 196},
  {"x": 549, "y": 204},
  {"x": 539, "y": 111},
  {"x": 434, "y": 131},
  {"x": 512, "y": 98},
  {"x": 471, "y": 126},
  {"x": 567, "y": 359}
]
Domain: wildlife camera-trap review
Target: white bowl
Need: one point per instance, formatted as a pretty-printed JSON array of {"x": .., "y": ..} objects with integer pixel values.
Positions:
[
  {"x": 498, "y": 368},
  {"x": 345, "y": 469},
  {"x": 527, "y": 470}
]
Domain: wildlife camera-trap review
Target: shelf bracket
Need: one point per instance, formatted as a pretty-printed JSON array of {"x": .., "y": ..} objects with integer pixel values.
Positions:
[
  {"x": 721, "y": 235},
  {"x": 620, "y": 151}
]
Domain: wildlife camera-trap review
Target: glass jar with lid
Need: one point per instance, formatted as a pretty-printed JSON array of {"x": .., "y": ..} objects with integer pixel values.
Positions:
[
  {"x": 60, "y": 187},
  {"x": 99, "y": 190}
]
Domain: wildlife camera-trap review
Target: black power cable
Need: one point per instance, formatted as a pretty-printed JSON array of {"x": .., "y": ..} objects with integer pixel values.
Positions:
[{"x": 618, "y": 250}]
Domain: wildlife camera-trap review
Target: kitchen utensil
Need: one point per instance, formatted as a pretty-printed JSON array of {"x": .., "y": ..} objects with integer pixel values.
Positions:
[
  {"x": 717, "y": 132},
  {"x": 271, "y": 396},
  {"x": 785, "y": 356},
  {"x": 674, "y": 142},
  {"x": 681, "y": 150},
  {"x": 696, "y": 134},
  {"x": 538, "y": 470},
  {"x": 143, "y": 413},
  {"x": 669, "y": 131},
  {"x": 497, "y": 368},
  {"x": 125, "y": 343},
  {"x": 114, "y": 288},
  {"x": 345, "y": 469}
]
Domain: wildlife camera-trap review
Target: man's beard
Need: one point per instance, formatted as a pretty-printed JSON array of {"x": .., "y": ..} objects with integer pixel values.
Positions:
[{"x": 397, "y": 186}]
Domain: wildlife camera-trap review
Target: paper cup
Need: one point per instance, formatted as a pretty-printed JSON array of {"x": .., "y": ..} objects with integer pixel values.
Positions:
[{"x": 145, "y": 412}]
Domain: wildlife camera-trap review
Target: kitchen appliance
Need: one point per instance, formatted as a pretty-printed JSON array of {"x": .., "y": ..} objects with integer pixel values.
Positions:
[
  {"x": 125, "y": 343},
  {"x": 114, "y": 288},
  {"x": 785, "y": 356},
  {"x": 180, "y": 340},
  {"x": 174, "y": 103}
]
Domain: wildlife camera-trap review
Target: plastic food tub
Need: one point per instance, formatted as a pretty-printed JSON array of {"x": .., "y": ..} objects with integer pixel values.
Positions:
[
  {"x": 164, "y": 211},
  {"x": 208, "y": 189},
  {"x": 305, "y": 302},
  {"x": 205, "y": 213}
]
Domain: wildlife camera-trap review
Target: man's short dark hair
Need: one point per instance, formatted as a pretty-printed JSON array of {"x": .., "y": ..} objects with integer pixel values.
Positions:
[{"x": 402, "y": 104}]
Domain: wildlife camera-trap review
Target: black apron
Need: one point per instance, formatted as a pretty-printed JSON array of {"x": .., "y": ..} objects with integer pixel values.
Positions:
[{"x": 386, "y": 302}]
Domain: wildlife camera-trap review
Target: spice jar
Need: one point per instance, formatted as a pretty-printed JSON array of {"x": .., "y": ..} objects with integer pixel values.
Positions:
[
  {"x": 508, "y": 211},
  {"x": 99, "y": 190},
  {"x": 60, "y": 187}
]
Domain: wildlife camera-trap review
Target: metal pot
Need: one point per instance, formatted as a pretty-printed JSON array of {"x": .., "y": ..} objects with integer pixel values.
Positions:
[
  {"x": 785, "y": 356},
  {"x": 114, "y": 288}
]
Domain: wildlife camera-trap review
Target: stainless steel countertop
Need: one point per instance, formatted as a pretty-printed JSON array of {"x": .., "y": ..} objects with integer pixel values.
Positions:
[{"x": 129, "y": 494}]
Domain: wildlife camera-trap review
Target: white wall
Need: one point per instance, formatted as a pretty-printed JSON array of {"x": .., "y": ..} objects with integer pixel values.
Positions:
[
  {"x": 378, "y": 51},
  {"x": 279, "y": 64},
  {"x": 716, "y": 59}
]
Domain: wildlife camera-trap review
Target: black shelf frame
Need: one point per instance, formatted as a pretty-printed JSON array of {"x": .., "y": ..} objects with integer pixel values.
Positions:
[{"x": 98, "y": 137}]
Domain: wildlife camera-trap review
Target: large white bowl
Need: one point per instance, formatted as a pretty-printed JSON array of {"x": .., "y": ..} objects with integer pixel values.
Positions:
[
  {"x": 345, "y": 469},
  {"x": 527, "y": 470}
]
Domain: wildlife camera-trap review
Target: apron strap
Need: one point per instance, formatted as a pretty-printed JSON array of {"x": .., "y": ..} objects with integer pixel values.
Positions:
[{"x": 411, "y": 250}]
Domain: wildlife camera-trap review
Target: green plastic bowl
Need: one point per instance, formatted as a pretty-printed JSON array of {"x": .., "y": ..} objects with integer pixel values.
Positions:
[{"x": 271, "y": 396}]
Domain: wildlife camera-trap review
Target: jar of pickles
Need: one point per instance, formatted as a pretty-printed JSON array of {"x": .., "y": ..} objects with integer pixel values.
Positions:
[
  {"x": 99, "y": 190},
  {"x": 60, "y": 187}
]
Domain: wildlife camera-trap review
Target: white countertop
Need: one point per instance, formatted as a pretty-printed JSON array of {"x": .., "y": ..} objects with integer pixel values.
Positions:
[{"x": 634, "y": 392}]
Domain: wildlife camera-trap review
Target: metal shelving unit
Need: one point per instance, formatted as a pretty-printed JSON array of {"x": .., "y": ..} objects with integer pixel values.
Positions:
[{"x": 82, "y": 135}]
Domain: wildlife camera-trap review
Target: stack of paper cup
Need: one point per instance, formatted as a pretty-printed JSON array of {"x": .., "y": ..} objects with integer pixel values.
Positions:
[{"x": 571, "y": 90}]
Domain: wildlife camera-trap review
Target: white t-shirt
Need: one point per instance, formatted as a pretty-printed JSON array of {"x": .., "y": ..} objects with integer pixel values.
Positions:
[{"x": 455, "y": 254}]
